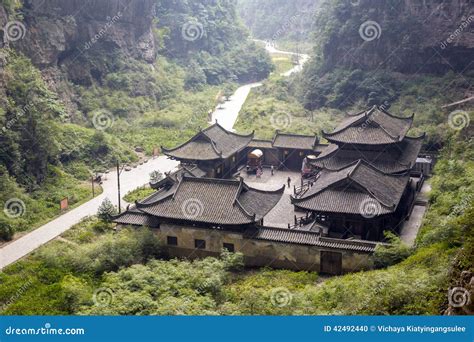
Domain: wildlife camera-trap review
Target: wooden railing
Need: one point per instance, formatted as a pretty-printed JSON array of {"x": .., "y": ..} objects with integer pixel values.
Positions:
[
  {"x": 306, "y": 184},
  {"x": 301, "y": 221}
]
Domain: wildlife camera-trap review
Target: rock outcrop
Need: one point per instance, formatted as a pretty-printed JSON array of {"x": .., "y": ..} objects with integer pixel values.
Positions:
[
  {"x": 407, "y": 36},
  {"x": 71, "y": 35}
]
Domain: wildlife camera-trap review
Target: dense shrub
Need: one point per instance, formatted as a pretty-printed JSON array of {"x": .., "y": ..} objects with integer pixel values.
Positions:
[{"x": 393, "y": 253}]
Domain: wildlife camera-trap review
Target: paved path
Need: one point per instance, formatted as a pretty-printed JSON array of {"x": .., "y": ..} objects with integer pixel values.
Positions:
[
  {"x": 226, "y": 114},
  {"x": 303, "y": 58},
  {"x": 129, "y": 180},
  {"x": 411, "y": 227}
]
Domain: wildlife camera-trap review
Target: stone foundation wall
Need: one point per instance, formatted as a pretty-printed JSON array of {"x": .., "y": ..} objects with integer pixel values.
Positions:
[{"x": 257, "y": 252}]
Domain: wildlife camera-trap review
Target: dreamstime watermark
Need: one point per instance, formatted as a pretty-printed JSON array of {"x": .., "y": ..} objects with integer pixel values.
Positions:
[
  {"x": 370, "y": 30},
  {"x": 459, "y": 120},
  {"x": 192, "y": 31},
  {"x": 46, "y": 330},
  {"x": 23, "y": 288},
  {"x": 192, "y": 208},
  {"x": 285, "y": 27},
  {"x": 280, "y": 120},
  {"x": 9, "y": 124},
  {"x": 281, "y": 297},
  {"x": 102, "y": 120},
  {"x": 14, "y": 208},
  {"x": 459, "y": 297},
  {"x": 372, "y": 116},
  {"x": 103, "y": 297},
  {"x": 13, "y": 31},
  {"x": 444, "y": 44},
  {"x": 369, "y": 208},
  {"x": 102, "y": 32}
]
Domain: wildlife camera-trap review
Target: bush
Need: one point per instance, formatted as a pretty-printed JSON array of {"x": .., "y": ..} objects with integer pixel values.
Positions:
[
  {"x": 109, "y": 253},
  {"x": 392, "y": 254},
  {"x": 6, "y": 229}
]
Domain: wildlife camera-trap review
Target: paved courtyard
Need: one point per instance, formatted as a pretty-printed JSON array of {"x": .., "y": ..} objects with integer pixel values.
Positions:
[{"x": 283, "y": 213}]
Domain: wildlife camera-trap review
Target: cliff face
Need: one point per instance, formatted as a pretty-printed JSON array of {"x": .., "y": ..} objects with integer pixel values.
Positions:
[
  {"x": 78, "y": 42},
  {"x": 68, "y": 34},
  {"x": 409, "y": 36},
  {"x": 73, "y": 41}
]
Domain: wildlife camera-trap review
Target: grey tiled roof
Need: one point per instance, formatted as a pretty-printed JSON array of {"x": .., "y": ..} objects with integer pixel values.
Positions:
[
  {"x": 136, "y": 218},
  {"x": 211, "y": 143},
  {"x": 191, "y": 170},
  {"x": 395, "y": 158},
  {"x": 214, "y": 201},
  {"x": 259, "y": 143},
  {"x": 373, "y": 127},
  {"x": 344, "y": 190},
  {"x": 312, "y": 239},
  {"x": 295, "y": 141}
]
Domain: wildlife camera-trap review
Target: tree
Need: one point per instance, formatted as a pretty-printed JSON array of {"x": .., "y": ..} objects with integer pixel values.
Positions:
[
  {"x": 156, "y": 176},
  {"x": 6, "y": 229},
  {"x": 106, "y": 210}
]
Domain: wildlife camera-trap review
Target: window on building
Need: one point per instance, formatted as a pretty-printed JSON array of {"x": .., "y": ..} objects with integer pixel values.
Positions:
[
  {"x": 172, "y": 240},
  {"x": 200, "y": 244},
  {"x": 230, "y": 247}
]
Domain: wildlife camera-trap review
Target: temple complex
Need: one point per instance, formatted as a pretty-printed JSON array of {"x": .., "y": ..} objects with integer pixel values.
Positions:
[{"x": 323, "y": 207}]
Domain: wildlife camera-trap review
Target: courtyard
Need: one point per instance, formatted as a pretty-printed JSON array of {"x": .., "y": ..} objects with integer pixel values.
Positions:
[{"x": 283, "y": 213}]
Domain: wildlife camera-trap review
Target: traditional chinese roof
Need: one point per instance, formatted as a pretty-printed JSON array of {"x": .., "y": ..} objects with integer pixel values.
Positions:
[
  {"x": 211, "y": 143},
  {"x": 356, "y": 189},
  {"x": 214, "y": 201},
  {"x": 296, "y": 236},
  {"x": 191, "y": 170},
  {"x": 295, "y": 141},
  {"x": 373, "y": 127},
  {"x": 134, "y": 217},
  {"x": 260, "y": 143},
  {"x": 395, "y": 158}
]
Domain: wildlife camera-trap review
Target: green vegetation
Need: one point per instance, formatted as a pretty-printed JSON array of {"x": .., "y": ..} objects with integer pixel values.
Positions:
[
  {"x": 42, "y": 160},
  {"x": 128, "y": 266},
  {"x": 282, "y": 63},
  {"x": 279, "y": 21},
  {"x": 106, "y": 210},
  {"x": 46, "y": 155},
  {"x": 273, "y": 106},
  {"x": 209, "y": 38},
  {"x": 55, "y": 279},
  {"x": 123, "y": 102},
  {"x": 138, "y": 194}
]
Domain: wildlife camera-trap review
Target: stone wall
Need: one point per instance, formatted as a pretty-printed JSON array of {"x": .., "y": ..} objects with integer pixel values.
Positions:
[{"x": 257, "y": 252}]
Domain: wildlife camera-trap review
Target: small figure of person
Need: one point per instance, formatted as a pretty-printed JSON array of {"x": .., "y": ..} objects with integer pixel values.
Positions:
[
  {"x": 289, "y": 181},
  {"x": 272, "y": 169}
]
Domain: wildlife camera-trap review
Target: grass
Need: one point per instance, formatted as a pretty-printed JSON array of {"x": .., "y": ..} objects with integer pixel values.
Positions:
[
  {"x": 172, "y": 124},
  {"x": 138, "y": 194},
  {"x": 282, "y": 63},
  {"x": 271, "y": 107},
  {"x": 42, "y": 205}
]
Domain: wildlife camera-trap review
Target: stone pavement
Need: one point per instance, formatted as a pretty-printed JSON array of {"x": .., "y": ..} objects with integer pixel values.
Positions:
[
  {"x": 283, "y": 213},
  {"x": 129, "y": 180}
]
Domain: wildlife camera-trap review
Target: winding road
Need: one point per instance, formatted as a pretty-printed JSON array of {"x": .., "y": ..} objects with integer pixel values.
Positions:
[
  {"x": 129, "y": 180},
  {"x": 226, "y": 114}
]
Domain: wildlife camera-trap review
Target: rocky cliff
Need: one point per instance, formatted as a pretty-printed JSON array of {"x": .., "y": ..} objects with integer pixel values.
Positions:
[
  {"x": 409, "y": 36},
  {"x": 71, "y": 35},
  {"x": 74, "y": 42}
]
